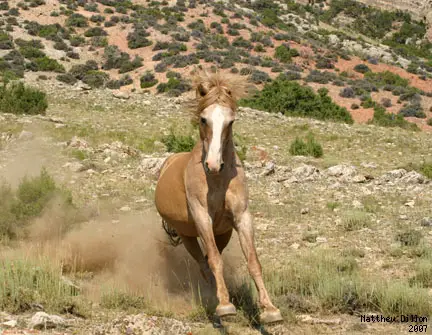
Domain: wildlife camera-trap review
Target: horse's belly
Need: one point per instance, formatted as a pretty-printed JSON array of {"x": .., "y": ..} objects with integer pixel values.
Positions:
[{"x": 170, "y": 195}]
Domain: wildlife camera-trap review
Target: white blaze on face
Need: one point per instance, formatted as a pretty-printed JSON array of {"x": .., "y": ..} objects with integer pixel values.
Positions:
[{"x": 214, "y": 156}]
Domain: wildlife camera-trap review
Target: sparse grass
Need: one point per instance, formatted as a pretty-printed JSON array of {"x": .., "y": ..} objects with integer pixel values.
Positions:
[
  {"x": 423, "y": 273},
  {"x": 355, "y": 220},
  {"x": 26, "y": 283},
  {"x": 335, "y": 283},
  {"x": 409, "y": 237},
  {"x": 310, "y": 147},
  {"x": 18, "y": 207},
  {"x": 332, "y": 205},
  {"x": 123, "y": 300}
]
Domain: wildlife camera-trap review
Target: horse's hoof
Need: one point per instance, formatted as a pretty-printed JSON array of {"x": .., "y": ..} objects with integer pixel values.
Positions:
[
  {"x": 225, "y": 310},
  {"x": 271, "y": 316}
]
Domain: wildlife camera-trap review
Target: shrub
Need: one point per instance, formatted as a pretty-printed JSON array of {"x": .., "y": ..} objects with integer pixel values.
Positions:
[
  {"x": 174, "y": 87},
  {"x": 324, "y": 63},
  {"x": 242, "y": 43},
  {"x": 16, "y": 98},
  {"x": 355, "y": 106},
  {"x": 383, "y": 119},
  {"x": 347, "y": 92},
  {"x": 123, "y": 81},
  {"x": 233, "y": 32},
  {"x": 76, "y": 41},
  {"x": 386, "y": 78},
  {"x": 259, "y": 77},
  {"x": 290, "y": 75},
  {"x": 414, "y": 110},
  {"x": 6, "y": 41},
  {"x": 429, "y": 122},
  {"x": 95, "y": 31},
  {"x": 309, "y": 148},
  {"x": 138, "y": 38},
  {"x": 361, "y": 68},
  {"x": 67, "y": 78},
  {"x": 46, "y": 64},
  {"x": 31, "y": 52},
  {"x": 284, "y": 53},
  {"x": 386, "y": 102},
  {"x": 178, "y": 143},
  {"x": 290, "y": 98},
  {"x": 95, "y": 79},
  {"x": 323, "y": 77},
  {"x": 148, "y": 80},
  {"x": 77, "y": 20},
  {"x": 97, "y": 18}
]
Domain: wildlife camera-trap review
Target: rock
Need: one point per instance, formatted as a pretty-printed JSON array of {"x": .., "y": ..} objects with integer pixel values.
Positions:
[
  {"x": 306, "y": 172},
  {"x": 341, "y": 171},
  {"x": 146, "y": 103},
  {"x": 80, "y": 86},
  {"x": 120, "y": 95},
  {"x": 304, "y": 210},
  {"x": 25, "y": 135},
  {"x": 295, "y": 246},
  {"x": 426, "y": 222},
  {"x": 321, "y": 239},
  {"x": 309, "y": 319},
  {"x": 151, "y": 164},
  {"x": 268, "y": 169},
  {"x": 10, "y": 324},
  {"x": 413, "y": 177},
  {"x": 125, "y": 209},
  {"x": 75, "y": 166},
  {"x": 394, "y": 174},
  {"x": 410, "y": 203},
  {"x": 78, "y": 143},
  {"x": 42, "y": 320},
  {"x": 403, "y": 217},
  {"x": 358, "y": 179},
  {"x": 333, "y": 40}
]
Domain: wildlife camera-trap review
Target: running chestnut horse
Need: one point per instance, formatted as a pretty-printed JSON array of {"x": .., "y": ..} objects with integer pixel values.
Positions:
[{"x": 203, "y": 193}]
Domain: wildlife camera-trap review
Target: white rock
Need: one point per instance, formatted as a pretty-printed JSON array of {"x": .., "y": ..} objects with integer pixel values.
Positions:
[
  {"x": 42, "y": 320},
  {"x": 120, "y": 95},
  {"x": 10, "y": 324},
  {"x": 125, "y": 209},
  {"x": 25, "y": 135}
]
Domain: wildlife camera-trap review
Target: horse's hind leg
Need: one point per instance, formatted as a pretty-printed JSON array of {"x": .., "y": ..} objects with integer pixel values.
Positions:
[{"x": 192, "y": 246}]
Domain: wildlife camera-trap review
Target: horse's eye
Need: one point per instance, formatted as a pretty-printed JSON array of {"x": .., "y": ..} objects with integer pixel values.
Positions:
[{"x": 203, "y": 121}]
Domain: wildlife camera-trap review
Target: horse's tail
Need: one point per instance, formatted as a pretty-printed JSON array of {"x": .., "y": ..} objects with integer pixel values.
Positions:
[{"x": 173, "y": 237}]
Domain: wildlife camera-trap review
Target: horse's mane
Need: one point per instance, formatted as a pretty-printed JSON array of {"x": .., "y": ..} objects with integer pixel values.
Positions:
[{"x": 216, "y": 88}]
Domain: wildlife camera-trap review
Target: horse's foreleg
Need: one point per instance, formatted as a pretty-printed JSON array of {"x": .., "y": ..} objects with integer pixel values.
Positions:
[
  {"x": 203, "y": 224},
  {"x": 192, "y": 246},
  {"x": 244, "y": 227}
]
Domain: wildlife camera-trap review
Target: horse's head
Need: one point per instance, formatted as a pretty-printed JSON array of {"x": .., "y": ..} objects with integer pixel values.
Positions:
[{"x": 216, "y": 97}]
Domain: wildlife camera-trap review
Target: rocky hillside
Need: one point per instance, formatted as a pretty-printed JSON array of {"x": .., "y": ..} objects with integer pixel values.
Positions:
[{"x": 364, "y": 56}]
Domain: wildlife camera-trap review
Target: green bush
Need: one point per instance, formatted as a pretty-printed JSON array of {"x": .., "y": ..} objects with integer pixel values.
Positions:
[
  {"x": 138, "y": 38},
  {"x": 16, "y": 98},
  {"x": 31, "y": 52},
  {"x": 6, "y": 41},
  {"x": 284, "y": 53},
  {"x": 290, "y": 98},
  {"x": 67, "y": 78},
  {"x": 309, "y": 148},
  {"x": 148, "y": 80},
  {"x": 95, "y": 79},
  {"x": 95, "y": 31},
  {"x": 77, "y": 20},
  {"x": 384, "y": 119},
  {"x": 429, "y": 122},
  {"x": 178, "y": 143},
  {"x": 46, "y": 64},
  {"x": 361, "y": 68},
  {"x": 174, "y": 87},
  {"x": 386, "y": 78}
]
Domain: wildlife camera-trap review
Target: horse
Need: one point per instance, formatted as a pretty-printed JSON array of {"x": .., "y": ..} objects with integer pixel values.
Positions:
[{"x": 203, "y": 193}]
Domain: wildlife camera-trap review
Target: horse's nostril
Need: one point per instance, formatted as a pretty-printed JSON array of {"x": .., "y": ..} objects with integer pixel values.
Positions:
[
  {"x": 206, "y": 165},
  {"x": 222, "y": 166}
]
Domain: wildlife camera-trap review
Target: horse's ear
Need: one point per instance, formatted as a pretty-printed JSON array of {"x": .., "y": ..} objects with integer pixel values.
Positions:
[{"x": 201, "y": 90}]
